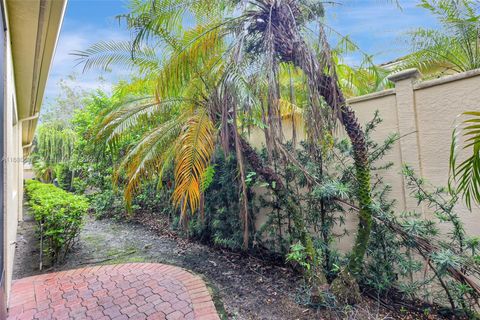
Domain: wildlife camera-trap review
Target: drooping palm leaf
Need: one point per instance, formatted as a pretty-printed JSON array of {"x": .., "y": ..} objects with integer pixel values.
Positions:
[
  {"x": 104, "y": 54},
  {"x": 466, "y": 174},
  {"x": 151, "y": 156},
  {"x": 195, "y": 148},
  {"x": 131, "y": 112}
]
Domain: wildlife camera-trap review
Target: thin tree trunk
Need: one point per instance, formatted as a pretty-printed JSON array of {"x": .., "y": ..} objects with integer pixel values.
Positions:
[
  {"x": 293, "y": 102},
  {"x": 241, "y": 168}
]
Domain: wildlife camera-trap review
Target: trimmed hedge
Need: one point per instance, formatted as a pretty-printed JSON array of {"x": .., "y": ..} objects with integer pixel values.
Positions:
[{"x": 59, "y": 215}]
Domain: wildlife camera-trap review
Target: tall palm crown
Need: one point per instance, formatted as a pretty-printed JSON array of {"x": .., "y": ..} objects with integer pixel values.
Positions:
[{"x": 230, "y": 63}]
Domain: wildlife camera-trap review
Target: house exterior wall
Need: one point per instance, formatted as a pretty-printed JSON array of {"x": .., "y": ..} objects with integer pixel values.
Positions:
[
  {"x": 30, "y": 31},
  {"x": 13, "y": 166},
  {"x": 423, "y": 114}
]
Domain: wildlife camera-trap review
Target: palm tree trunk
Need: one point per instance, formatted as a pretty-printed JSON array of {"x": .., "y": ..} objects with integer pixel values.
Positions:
[
  {"x": 241, "y": 167},
  {"x": 327, "y": 87},
  {"x": 290, "y": 46}
]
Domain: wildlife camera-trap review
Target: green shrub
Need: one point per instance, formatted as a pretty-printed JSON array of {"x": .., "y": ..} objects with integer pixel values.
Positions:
[
  {"x": 222, "y": 225},
  {"x": 63, "y": 175},
  {"x": 59, "y": 215},
  {"x": 108, "y": 204}
]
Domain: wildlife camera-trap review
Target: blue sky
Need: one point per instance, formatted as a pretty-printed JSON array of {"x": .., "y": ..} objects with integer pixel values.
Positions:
[{"x": 378, "y": 27}]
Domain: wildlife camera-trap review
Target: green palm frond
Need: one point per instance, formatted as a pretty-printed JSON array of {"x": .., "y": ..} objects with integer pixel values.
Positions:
[
  {"x": 358, "y": 81},
  {"x": 104, "y": 54},
  {"x": 161, "y": 21},
  {"x": 199, "y": 46},
  {"x": 150, "y": 157},
  {"x": 141, "y": 86},
  {"x": 131, "y": 113},
  {"x": 453, "y": 47},
  {"x": 466, "y": 174}
]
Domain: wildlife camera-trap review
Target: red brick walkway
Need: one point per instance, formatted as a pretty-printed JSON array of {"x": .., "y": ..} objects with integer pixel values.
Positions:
[{"x": 124, "y": 291}]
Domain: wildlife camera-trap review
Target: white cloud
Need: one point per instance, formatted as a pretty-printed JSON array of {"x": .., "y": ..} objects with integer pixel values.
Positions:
[{"x": 76, "y": 37}]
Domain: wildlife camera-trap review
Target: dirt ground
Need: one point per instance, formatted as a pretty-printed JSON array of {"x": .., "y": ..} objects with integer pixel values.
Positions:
[{"x": 244, "y": 287}]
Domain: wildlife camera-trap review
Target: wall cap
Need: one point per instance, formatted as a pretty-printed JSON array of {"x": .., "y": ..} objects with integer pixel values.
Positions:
[
  {"x": 371, "y": 96},
  {"x": 447, "y": 79},
  {"x": 412, "y": 73}
]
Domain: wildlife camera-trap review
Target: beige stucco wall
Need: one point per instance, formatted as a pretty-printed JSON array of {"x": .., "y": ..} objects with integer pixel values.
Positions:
[
  {"x": 424, "y": 115},
  {"x": 438, "y": 103}
]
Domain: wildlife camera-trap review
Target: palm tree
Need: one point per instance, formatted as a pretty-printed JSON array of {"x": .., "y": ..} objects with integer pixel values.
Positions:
[
  {"x": 207, "y": 76},
  {"x": 277, "y": 28},
  {"x": 455, "y": 46},
  {"x": 465, "y": 176}
]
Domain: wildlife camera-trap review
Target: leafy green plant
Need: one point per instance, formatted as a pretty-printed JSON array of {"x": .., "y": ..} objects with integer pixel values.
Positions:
[
  {"x": 298, "y": 255},
  {"x": 417, "y": 258},
  {"x": 59, "y": 216},
  {"x": 465, "y": 176},
  {"x": 453, "y": 47},
  {"x": 221, "y": 224}
]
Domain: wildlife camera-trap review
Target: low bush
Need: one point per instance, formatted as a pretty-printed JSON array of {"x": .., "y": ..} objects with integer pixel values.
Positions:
[{"x": 59, "y": 215}]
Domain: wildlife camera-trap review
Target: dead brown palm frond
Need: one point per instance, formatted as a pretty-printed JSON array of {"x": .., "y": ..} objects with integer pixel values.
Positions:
[{"x": 195, "y": 148}]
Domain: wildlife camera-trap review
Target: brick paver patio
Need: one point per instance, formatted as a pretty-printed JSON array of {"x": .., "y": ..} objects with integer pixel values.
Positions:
[{"x": 124, "y": 291}]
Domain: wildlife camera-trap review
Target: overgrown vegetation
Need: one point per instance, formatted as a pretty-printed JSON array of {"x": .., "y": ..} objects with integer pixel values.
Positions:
[
  {"x": 59, "y": 216},
  {"x": 176, "y": 144}
]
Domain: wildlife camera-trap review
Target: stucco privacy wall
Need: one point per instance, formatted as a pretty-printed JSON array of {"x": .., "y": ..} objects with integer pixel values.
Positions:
[
  {"x": 438, "y": 103},
  {"x": 423, "y": 114}
]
